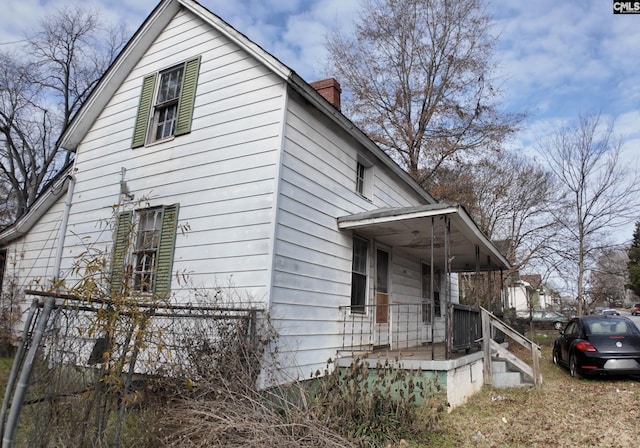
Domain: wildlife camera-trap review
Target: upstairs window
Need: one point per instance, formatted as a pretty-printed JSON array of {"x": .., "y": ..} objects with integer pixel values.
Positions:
[
  {"x": 360, "y": 170},
  {"x": 143, "y": 251},
  {"x": 364, "y": 178},
  {"x": 166, "y": 103}
]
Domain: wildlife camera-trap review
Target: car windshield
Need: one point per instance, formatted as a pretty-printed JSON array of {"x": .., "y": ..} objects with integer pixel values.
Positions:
[{"x": 611, "y": 326}]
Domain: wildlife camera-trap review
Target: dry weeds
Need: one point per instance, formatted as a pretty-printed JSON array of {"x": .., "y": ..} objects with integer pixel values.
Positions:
[{"x": 563, "y": 412}]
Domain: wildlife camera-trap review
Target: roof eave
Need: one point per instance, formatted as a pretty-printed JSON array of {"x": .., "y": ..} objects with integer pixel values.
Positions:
[
  {"x": 390, "y": 215},
  {"x": 310, "y": 94},
  {"x": 22, "y": 226}
]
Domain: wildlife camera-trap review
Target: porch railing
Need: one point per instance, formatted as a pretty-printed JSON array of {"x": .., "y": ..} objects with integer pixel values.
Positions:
[
  {"x": 401, "y": 325},
  {"x": 394, "y": 326},
  {"x": 466, "y": 330}
]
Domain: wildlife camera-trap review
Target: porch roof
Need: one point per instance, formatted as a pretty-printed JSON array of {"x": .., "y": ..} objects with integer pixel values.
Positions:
[{"x": 411, "y": 229}]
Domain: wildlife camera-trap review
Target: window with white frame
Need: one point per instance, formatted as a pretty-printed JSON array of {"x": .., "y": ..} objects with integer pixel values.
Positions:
[
  {"x": 364, "y": 178},
  {"x": 145, "y": 254},
  {"x": 166, "y": 103},
  {"x": 143, "y": 251},
  {"x": 359, "y": 275},
  {"x": 165, "y": 109}
]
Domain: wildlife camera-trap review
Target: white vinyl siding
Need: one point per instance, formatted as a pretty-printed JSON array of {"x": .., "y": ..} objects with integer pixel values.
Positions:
[
  {"x": 313, "y": 259},
  {"x": 222, "y": 173},
  {"x": 30, "y": 260}
]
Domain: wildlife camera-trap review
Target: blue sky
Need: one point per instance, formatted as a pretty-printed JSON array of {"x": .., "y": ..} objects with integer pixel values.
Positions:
[{"x": 557, "y": 59}]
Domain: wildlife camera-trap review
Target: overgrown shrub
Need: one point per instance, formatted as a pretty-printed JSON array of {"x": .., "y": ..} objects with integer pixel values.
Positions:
[{"x": 375, "y": 406}]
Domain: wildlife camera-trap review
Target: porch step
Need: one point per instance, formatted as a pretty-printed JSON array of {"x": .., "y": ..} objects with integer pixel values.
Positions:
[{"x": 505, "y": 375}]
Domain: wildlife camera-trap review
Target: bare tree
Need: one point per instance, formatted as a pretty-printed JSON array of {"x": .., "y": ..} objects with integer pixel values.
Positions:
[
  {"x": 602, "y": 190},
  {"x": 40, "y": 93},
  {"x": 512, "y": 199},
  {"x": 608, "y": 279},
  {"x": 417, "y": 80}
]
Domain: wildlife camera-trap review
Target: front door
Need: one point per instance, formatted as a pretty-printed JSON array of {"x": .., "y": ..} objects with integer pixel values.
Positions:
[{"x": 382, "y": 297}]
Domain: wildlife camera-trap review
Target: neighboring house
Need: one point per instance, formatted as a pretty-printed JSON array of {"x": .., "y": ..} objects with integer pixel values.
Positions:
[
  {"x": 196, "y": 127},
  {"x": 519, "y": 295},
  {"x": 526, "y": 293}
]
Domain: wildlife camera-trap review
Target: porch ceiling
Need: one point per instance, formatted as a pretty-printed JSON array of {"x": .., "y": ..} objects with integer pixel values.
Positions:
[{"x": 410, "y": 229}]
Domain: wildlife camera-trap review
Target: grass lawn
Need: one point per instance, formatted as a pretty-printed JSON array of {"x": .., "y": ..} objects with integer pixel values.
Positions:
[
  {"x": 563, "y": 412},
  {"x": 5, "y": 370}
]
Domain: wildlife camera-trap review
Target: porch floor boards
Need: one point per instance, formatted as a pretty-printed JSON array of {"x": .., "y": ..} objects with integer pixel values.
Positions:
[{"x": 428, "y": 352}]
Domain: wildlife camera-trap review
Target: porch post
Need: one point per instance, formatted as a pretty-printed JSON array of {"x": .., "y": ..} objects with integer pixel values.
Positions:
[
  {"x": 502, "y": 292},
  {"x": 477, "y": 276},
  {"x": 432, "y": 304},
  {"x": 486, "y": 346},
  {"x": 491, "y": 308},
  {"x": 447, "y": 288}
]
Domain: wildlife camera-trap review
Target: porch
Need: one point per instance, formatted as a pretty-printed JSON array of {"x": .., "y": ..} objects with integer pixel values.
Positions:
[
  {"x": 393, "y": 321},
  {"x": 472, "y": 353}
]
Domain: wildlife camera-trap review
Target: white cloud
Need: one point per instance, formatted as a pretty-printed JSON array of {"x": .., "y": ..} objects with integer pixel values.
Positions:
[{"x": 556, "y": 59}]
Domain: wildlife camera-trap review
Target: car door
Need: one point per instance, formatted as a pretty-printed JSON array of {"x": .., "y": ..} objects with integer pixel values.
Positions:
[{"x": 571, "y": 332}]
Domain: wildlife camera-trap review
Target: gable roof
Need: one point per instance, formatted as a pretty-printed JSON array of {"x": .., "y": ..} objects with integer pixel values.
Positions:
[{"x": 151, "y": 29}]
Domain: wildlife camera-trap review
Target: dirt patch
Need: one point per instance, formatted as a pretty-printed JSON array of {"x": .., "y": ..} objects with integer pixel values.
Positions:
[{"x": 563, "y": 412}]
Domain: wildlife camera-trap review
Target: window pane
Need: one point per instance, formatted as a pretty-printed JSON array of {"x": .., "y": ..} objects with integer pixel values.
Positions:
[
  {"x": 436, "y": 304},
  {"x": 359, "y": 275},
  {"x": 382, "y": 271},
  {"x": 3, "y": 262},
  {"x": 426, "y": 281},
  {"x": 360, "y": 178},
  {"x": 146, "y": 253},
  {"x": 165, "y": 121},
  {"x": 359, "y": 255},
  {"x": 358, "y": 292},
  {"x": 170, "y": 82}
]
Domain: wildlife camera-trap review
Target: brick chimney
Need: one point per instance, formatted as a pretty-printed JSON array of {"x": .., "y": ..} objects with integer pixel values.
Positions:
[{"x": 330, "y": 90}]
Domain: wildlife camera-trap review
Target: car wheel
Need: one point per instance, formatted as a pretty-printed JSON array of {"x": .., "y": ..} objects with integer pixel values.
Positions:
[
  {"x": 555, "y": 357},
  {"x": 574, "y": 371}
]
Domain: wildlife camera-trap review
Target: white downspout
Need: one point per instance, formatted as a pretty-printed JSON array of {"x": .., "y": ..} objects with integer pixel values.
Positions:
[{"x": 63, "y": 228}]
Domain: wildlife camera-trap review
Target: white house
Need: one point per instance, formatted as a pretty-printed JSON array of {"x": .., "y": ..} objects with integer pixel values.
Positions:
[
  {"x": 195, "y": 127},
  {"x": 525, "y": 293}
]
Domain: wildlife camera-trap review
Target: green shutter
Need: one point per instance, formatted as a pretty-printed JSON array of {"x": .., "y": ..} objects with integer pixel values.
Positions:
[
  {"x": 122, "y": 237},
  {"x": 187, "y": 96},
  {"x": 165, "y": 250},
  {"x": 144, "y": 109}
]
